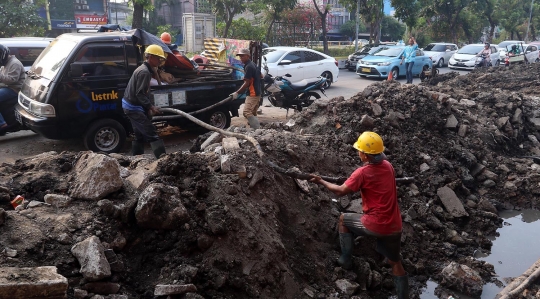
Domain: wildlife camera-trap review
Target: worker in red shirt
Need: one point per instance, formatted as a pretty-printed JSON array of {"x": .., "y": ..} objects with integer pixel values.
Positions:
[{"x": 381, "y": 217}]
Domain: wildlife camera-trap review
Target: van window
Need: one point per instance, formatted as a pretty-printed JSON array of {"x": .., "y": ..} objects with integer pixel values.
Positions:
[
  {"x": 26, "y": 55},
  {"x": 101, "y": 60}
]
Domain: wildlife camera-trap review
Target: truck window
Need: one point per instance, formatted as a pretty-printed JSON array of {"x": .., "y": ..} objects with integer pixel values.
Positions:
[
  {"x": 101, "y": 60},
  {"x": 131, "y": 58}
]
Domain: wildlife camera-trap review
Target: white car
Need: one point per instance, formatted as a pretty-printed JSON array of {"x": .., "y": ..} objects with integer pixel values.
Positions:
[
  {"x": 465, "y": 57},
  {"x": 531, "y": 52},
  {"x": 440, "y": 53},
  {"x": 26, "y": 49},
  {"x": 301, "y": 63}
]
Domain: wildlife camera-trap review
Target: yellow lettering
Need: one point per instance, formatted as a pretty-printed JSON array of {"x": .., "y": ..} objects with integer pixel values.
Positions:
[{"x": 113, "y": 95}]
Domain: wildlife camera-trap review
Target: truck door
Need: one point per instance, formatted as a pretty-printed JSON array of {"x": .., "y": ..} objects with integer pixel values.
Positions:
[{"x": 97, "y": 91}]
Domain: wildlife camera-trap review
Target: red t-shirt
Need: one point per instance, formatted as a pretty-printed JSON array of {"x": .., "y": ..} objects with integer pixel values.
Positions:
[{"x": 377, "y": 186}]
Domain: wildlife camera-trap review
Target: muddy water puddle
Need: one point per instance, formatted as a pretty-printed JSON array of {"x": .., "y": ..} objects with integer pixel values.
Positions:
[{"x": 512, "y": 253}]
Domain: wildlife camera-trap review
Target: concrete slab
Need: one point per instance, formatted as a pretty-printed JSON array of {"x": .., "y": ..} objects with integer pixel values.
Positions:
[{"x": 29, "y": 283}]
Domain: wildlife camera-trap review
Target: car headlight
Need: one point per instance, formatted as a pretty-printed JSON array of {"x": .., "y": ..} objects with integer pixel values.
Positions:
[
  {"x": 41, "y": 109},
  {"x": 361, "y": 61},
  {"x": 383, "y": 63}
]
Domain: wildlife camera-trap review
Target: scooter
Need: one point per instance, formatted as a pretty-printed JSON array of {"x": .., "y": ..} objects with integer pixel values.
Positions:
[
  {"x": 481, "y": 61},
  {"x": 7, "y": 108},
  {"x": 283, "y": 93}
]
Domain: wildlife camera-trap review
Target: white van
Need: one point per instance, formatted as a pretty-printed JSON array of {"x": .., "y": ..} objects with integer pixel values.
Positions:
[{"x": 26, "y": 49}]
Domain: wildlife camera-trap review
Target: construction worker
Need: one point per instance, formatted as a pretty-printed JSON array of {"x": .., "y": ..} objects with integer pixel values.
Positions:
[
  {"x": 166, "y": 38},
  {"x": 252, "y": 82},
  {"x": 138, "y": 107},
  {"x": 381, "y": 217}
]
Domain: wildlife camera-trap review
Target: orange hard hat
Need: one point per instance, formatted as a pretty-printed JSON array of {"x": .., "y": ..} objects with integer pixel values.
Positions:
[{"x": 166, "y": 37}]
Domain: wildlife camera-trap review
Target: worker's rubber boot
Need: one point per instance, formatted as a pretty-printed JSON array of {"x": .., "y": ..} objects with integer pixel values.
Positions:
[
  {"x": 158, "y": 147},
  {"x": 137, "y": 148},
  {"x": 254, "y": 122},
  {"x": 402, "y": 286},
  {"x": 346, "y": 242}
]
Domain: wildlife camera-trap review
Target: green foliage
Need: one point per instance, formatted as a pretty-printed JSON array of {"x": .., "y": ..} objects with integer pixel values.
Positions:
[
  {"x": 392, "y": 28},
  {"x": 242, "y": 29},
  {"x": 20, "y": 18},
  {"x": 349, "y": 28},
  {"x": 406, "y": 11}
]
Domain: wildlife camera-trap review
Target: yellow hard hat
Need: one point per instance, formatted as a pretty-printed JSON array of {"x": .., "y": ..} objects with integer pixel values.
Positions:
[
  {"x": 166, "y": 37},
  {"x": 369, "y": 143},
  {"x": 155, "y": 50}
]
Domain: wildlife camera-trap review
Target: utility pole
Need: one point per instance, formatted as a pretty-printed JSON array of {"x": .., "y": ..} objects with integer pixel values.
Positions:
[
  {"x": 356, "y": 17},
  {"x": 529, "y": 23}
]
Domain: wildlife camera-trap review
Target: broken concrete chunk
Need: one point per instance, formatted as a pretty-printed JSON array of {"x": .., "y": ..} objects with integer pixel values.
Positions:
[
  {"x": 451, "y": 122},
  {"x": 160, "y": 207},
  {"x": 467, "y": 103},
  {"x": 30, "y": 283},
  {"x": 451, "y": 202},
  {"x": 462, "y": 131},
  {"x": 9, "y": 252},
  {"x": 311, "y": 292},
  {"x": 257, "y": 177},
  {"x": 174, "y": 289},
  {"x": 516, "y": 118},
  {"x": 230, "y": 145},
  {"x": 535, "y": 122},
  {"x": 376, "y": 108},
  {"x": 303, "y": 185},
  {"x": 225, "y": 164},
  {"x": 424, "y": 167},
  {"x": 96, "y": 176},
  {"x": 91, "y": 257},
  {"x": 367, "y": 121},
  {"x": 462, "y": 278},
  {"x": 57, "y": 200},
  {"x": 502, "y": 121},
  {"x": 346, "y": 286},
  {"x": 139, "y": 177}
]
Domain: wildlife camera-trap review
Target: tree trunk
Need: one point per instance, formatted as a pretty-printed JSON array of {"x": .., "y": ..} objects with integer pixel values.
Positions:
[
  {"x": 325, "y": 40},
  {"x": 518, "y": 35},
  {"x": 491, "y": 30},
  {"x": 138, "y": 10},
  {"x": 228, "y": 23}
]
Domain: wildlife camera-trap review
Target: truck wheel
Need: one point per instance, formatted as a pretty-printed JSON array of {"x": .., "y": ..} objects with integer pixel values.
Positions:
[
  {"x": 105, "y": 135},
  {"x": 220, "y": 119}
]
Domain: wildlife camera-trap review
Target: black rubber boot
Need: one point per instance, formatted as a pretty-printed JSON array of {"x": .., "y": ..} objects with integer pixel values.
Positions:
[
  {"x": 158, "y": 147},
  {"x": 346, "y": 241},
  {"x": 137, "y": 148},
  {"x": 402, "y": 286},
  {"x": 254, "y": 122}
]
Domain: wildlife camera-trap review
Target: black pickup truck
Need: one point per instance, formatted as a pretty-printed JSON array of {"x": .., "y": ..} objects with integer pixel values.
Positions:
[{"x": 75, "y": 88}]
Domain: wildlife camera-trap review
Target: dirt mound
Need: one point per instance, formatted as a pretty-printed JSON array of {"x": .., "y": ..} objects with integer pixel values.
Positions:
[{"x": 270, "y": 236}]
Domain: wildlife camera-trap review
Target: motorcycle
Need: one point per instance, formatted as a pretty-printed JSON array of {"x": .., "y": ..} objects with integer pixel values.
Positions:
[
  {"x": 7, "y": 108},
  {"x": 283, "y": 93},
  {"x": 481, "y": 61}
]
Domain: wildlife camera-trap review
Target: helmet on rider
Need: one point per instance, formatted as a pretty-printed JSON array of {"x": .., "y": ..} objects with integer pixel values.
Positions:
[
  {"x": 487, "y": 45},
  {"x": 166, "y": 38},
  {"x": 4, "y": 55},
  {"x": 514, "y": 47}
]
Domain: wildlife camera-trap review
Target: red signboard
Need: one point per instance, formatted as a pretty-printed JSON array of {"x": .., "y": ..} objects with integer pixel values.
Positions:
[{"x": 90, "y": 21}]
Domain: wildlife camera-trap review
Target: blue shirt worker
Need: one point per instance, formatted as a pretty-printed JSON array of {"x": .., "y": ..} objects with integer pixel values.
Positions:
[
  {"x": 252, "y": 83},
  {"x": 137, "y": 105},
  {"x": 409, "y": 55}
]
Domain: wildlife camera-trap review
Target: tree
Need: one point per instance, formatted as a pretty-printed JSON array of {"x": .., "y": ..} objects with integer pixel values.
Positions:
[
  {"x": 226, "y": 10},
  {"x": 444, "y": 16},
  {"x": 323, "y": 14},
  {"x": 406, "y": 11},
  {"x": 513, "y": 15},
  {"x": 392, "y": 28},
  {"x": 349, "y": 28},
  {"x": 372, "y": 12},
  {"x": 273, "y": 10},
  {"x": 139, "y": 6},
  {"x": 489, "y": 9},
  {"x": 243, "y": 29},
  {"x": 21, "y": 18},
  {"x": 298, "y": 24}
]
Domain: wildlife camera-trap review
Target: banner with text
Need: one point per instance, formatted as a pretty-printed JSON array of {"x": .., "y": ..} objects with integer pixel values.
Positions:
[{"x": 85, "y": 21}]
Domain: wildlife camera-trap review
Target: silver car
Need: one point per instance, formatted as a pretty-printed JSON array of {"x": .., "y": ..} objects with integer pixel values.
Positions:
[{"x": 440, "y": 53}]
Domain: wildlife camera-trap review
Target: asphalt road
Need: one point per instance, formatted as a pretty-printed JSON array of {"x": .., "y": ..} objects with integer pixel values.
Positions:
[{"x": 23, "y": 144}]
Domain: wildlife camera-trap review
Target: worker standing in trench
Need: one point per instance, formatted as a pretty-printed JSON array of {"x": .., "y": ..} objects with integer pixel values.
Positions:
[
  {"x": 252, "y": 82},
  {"x": 381, "y": 217}
]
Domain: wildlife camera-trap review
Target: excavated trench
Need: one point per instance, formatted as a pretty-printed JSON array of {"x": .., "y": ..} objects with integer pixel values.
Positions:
[{"x": 270, "y": 236}]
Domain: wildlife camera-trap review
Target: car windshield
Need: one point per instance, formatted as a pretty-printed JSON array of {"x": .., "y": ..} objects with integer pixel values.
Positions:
[
  {"x": 272, "y": 55},
  {"x": 505, "y": 43},
  {"x": 471, "y": 49},
  {"x": 435, "y": 48},
  {"x": 51, "y": 59},
  {"x": 390, "y": 52},
  {"x": 376, "y": 49}
]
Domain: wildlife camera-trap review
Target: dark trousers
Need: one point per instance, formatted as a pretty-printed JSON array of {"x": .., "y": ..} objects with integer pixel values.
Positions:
[
  {"x": 143, "y": 128},
  {"x": 408, "y": 71}
]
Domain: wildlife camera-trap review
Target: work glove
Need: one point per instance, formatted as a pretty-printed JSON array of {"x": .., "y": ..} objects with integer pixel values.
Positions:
[{"x": 234, "y": 95}]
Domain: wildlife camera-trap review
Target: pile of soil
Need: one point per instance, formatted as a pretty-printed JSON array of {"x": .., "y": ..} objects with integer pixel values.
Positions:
[{"x": 270, "y": 236}]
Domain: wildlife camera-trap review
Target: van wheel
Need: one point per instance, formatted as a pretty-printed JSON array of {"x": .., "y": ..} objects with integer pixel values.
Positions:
[
  {"x": 220, "y": 119},
  {"x": 105, "y": 135}
]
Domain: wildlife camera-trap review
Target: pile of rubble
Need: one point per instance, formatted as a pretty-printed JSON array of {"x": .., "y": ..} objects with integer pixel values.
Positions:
[{"x": 219, "y": 223}]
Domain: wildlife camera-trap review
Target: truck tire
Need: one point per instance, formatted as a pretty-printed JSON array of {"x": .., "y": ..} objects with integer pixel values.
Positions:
[
  {"x": 219, "y": 118},
  {"x": 105, "y": 135}
]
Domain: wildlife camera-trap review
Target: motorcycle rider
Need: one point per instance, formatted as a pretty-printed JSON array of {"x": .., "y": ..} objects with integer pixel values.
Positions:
[
  {"x": 486, "y": 55},
  {"x": 12, "y": 76},
  {"x": 514, "y": 51}
]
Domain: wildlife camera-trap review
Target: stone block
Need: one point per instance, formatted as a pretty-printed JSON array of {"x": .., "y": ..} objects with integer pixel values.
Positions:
[
  {"x": 57, "y": 200},
  {"x": 230, "y": 145},
  {"x": 451, "y": 122},
  {"x": 91, "y": 257},
  {"x": 95, "y": 176},
  {"x": 30, "y": 283},
  {"x": 451, "y": 202},
  {"x": 160, "y": 207},
  {"x": 174, "y": 289}
]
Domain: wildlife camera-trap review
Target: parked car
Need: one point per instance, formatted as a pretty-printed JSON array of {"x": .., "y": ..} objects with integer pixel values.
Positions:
[
  {"x": 26, "y": 49},
  {"x": 531, "y": 52},
  {"x": 440, "y": 53},
  {"x": 388, "y": 60},
  {"x": 465, "y": 57},
  {"x": 301, "y": 63},
  {"x": 351, "y": 61}
]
